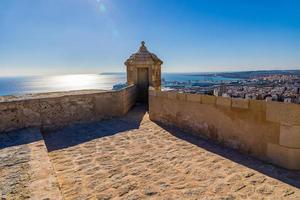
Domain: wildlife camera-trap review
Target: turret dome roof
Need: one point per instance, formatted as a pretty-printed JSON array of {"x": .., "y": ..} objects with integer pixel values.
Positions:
[{"x": 143, "y": 56}]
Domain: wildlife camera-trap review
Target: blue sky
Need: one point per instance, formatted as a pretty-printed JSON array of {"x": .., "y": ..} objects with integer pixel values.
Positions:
[{"x": 92, "y": 36}]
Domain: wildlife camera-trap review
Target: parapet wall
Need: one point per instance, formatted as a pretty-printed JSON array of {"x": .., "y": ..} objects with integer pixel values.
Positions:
[
  {"x": 267, "y": 130},
  {"x": 54, "y": 110}
]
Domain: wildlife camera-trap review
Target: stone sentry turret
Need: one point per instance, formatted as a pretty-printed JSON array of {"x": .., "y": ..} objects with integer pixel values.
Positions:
[{"x": 144, "y": 70}]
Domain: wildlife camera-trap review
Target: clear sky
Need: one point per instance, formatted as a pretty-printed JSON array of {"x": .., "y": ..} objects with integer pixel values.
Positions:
[{"x": 92, "y": 36}]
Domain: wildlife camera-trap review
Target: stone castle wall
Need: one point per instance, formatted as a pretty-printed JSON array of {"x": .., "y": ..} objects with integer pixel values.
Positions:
[
  {"x": 267, "y": 130},
  {"x": 52, "y": 110}
]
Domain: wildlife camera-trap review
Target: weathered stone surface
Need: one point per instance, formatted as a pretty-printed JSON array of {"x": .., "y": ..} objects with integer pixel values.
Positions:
[
  {"x": 25, "y": 168},
  {"x": 243, "y": 127},
  {"x": 208, "y": 99},
  {"x": 54, "y": 110},
  {"x": 222, "y": 101},
  {"x": 240, "y": 103},
  {"x": 194, "y": 98},
  {"x": 146, "y": 60},
  {"x": 102, "y": 103},
  {"x": 181, "y": 96},
  {"x": 171, "y": 95},
  {"x": 10, "y": 116},
  {"x": 134, "y": 158},
  {"x": 290, "y": 136},
  {"x": 284, "y": 156},
  {"x": 165, "y": 94},
  {"x": 257, "y": 105},
  {"x": 152, "y": 92},
  {"x": 284, "y": 113}
]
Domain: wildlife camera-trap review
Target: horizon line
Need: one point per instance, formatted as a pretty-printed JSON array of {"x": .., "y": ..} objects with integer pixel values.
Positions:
[{"x": 167, "y": 72}]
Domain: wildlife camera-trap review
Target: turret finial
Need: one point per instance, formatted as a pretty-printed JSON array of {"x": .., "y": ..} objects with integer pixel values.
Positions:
[{"x": 143, "y": 47}]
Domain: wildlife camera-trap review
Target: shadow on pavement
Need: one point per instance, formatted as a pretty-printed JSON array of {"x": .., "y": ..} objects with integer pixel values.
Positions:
[
  {"x": 287, "y": 176},
  {"x": 19, "y": 137},
  {"x": 80, "y": 133}
]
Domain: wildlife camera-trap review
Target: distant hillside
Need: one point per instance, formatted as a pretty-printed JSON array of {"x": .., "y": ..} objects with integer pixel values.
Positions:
[
  {"x": 112, "y": 73},
  {"x": 251, "y": 74}
]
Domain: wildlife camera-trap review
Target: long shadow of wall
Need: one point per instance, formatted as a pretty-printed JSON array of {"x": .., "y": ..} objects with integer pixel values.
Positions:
[
  {"x": 80, "y": 133},
  {"x": 19, "y": 137},
  {"x": 287, "y": 176}
]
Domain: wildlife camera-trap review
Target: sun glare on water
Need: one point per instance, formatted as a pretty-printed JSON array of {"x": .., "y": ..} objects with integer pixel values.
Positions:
[
  {"x": 74, "y": 82},
  {"x": 55, "y": 83}
]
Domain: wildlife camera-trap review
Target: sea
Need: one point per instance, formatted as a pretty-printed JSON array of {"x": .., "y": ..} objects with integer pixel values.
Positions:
[{"x": 103, "y": 81}]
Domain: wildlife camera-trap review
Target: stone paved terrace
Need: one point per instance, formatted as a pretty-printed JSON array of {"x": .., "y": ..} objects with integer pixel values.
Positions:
[{"x": 132, "y": 158}]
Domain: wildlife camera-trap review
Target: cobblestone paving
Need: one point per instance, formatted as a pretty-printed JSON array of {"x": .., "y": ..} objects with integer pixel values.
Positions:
[
  {"x": 134, "y": 158},
  {"x": 25, "y": 169}
]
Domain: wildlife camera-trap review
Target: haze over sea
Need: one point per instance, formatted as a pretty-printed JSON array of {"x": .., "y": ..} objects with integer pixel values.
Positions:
[{"x": 105, "y": 81}]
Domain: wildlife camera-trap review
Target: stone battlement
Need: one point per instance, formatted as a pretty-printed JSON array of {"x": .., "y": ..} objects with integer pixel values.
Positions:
[
  {"x": 48, "y": 152},
  {"x": 267, "y": 130},
  {"x": 51, "y": 110}
]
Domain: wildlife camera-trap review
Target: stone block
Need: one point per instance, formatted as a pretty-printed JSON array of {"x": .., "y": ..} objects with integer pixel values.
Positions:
[
  {"x": 53, "y": 112},
  {"x": 172, "y": 95},
  {"x": 31, "y": 113},
  {"x": 152, "y": 93},
  {"x": 224, "y": 101},
  {"x": 290, "y": 136},
  {"x": 181, "y": 96},
  {"x": 240, "y": 103},
  {"x": 257, "y": 105},
  {"x": 120, "y": 92},
  {"x": 10, "y": 117},
  {"x": 162, "y": 94},
  {"x": 208, "y": 99},
  {"x": 194, "y": 97},
  {"x": 284, "y": 113},
  {"x": 283, "y": 156},
  {"x": 103, "y": 105}
]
